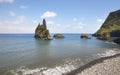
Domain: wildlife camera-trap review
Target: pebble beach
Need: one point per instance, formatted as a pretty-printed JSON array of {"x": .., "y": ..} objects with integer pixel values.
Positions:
[{"x": 103, "y": 66}]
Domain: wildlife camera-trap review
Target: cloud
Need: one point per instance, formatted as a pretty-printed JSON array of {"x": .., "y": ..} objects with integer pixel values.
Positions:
[
  {"x": 14, "y": 26},
  {"x": 12, "y": 13},
  {"x": 17, "y": 29},
  {"x": 75, "y": 27},
  {"x": 6, "y": 1},
  {"x": 49, "y": 14},
  {"x": 75, "y": 19},
  {"x": 1, "y": 22},
  {"x": 69, "y": 28},
  {"x": 50, "y": 22},
  {"x": 23, "y": 7},
  {"x": 19, "y": 20},
  {"x": 100, "y": 20},
  {"x": 35, "y": 21}
]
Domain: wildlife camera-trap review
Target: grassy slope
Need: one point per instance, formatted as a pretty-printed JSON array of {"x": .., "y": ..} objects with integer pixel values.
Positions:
[
  {"x": 112, "y": 23},
  {"x": 112, "y": 28}
]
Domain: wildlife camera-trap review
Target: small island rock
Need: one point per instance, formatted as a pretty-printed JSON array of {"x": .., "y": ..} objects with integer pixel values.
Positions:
[
  {"x": 85, "y": 36},
  {"x": 58, "y": 36}
]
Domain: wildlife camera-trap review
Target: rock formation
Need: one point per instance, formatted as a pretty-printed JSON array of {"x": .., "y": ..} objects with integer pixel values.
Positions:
[
  {"x": 117, "y": 41},
  {"x": 58, "y": 36},
  {"x": 110, "y": 27},
  {"x": 115, "y": 33},
  {"x": 41, "y": 32},
  {"x": 85, "y": 36}
]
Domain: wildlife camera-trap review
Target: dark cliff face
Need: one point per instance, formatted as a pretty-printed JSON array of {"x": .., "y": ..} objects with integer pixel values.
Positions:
[
  {"x": 115, "y": 33},
  {"x": 110, "y": 26},
  {"x": 41, "y": 31},
  {"x": 117, "y": 41}
]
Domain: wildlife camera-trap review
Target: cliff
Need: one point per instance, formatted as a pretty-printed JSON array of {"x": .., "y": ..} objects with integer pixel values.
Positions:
[
  {"x": 110, "y": 27},
  {"x": 41, "y": 31}
]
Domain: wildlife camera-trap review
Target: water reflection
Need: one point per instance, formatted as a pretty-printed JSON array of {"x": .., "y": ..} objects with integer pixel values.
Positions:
[
  {"x": 43, "y": 49},
  {"x": 42, "y": 42}
]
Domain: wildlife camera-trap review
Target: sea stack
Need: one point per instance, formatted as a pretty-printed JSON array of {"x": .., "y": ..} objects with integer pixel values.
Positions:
[{"x": 41, "y": 32}]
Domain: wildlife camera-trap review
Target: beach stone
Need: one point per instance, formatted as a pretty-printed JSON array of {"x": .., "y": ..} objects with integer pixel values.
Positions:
[{"x": 107, "y": 67}]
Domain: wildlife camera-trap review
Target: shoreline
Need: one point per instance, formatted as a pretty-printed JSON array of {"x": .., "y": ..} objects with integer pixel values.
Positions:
[{"x": 91, "y": 64}]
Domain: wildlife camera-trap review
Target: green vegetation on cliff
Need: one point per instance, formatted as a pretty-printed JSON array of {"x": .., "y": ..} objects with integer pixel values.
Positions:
[
  {"x": 108, "y": 30},
  {"x": 112, "y": 23}
]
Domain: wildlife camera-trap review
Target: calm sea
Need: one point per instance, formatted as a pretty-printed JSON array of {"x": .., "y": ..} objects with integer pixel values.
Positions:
[{"x": 21, "y": 54}]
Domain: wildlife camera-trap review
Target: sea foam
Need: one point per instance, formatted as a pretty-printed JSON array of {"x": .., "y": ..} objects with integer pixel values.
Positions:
[
  {"x": 57, "y": 70},
  {"x": 109, "y": 52},
  {"x": 68, "y": 66}
]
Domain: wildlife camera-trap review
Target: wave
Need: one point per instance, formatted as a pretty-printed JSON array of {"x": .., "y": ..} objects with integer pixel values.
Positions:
[
  {"x": 90, "y": 64},
  {"x": 109, "y": 52},
  {"x": 68, "y": 66},
  {"x": 110, "y": 42}
]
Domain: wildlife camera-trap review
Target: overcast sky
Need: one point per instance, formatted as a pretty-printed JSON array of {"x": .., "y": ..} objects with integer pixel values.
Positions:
[{"x": 62, "y": 16}]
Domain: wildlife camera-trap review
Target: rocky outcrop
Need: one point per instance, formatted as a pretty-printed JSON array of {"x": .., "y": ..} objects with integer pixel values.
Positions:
[
  {"x": 96, "y": 35},
  {"x": 115, "y": 33},
  {"x": 58, "y": 36},
  {"x": 41, "y": 32},
  {"x": 110, "y": 27},
  {"x": 117, "y": 41},
  {"x": 105, "y": 36},
  {"x": 85, "y": 36}
]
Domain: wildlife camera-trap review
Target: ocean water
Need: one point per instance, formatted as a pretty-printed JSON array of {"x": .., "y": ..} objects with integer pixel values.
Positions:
[{"x": 22, "y": 54}]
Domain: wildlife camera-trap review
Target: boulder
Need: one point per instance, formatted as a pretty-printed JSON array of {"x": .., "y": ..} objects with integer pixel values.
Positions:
[
  {"x": 117, "y": 41},
  {"x": 58, "y": 36},
  {"x": 85, "y": 36}
]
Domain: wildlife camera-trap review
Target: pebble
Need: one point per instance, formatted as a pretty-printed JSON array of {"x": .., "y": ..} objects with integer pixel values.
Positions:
[{"x": 107, "y": 67}]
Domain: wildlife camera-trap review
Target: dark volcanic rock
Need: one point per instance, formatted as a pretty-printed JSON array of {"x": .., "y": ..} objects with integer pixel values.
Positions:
[
  {"x": 85, "y": 36},
  {"x": 41, "y": 32},
  {"x": 58, "y": 36},
  {"x": 105, "y": 36},
  {"x": 115, "y": 33},
  {"x": 117, "y": 41},
  {"x": 96, "y": 35}
]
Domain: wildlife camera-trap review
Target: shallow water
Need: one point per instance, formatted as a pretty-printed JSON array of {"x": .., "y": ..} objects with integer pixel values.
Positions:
[{"x": 21, "y": 54}]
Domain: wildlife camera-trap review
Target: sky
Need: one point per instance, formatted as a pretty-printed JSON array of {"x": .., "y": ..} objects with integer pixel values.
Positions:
[{"x": 62, "y": 16}]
